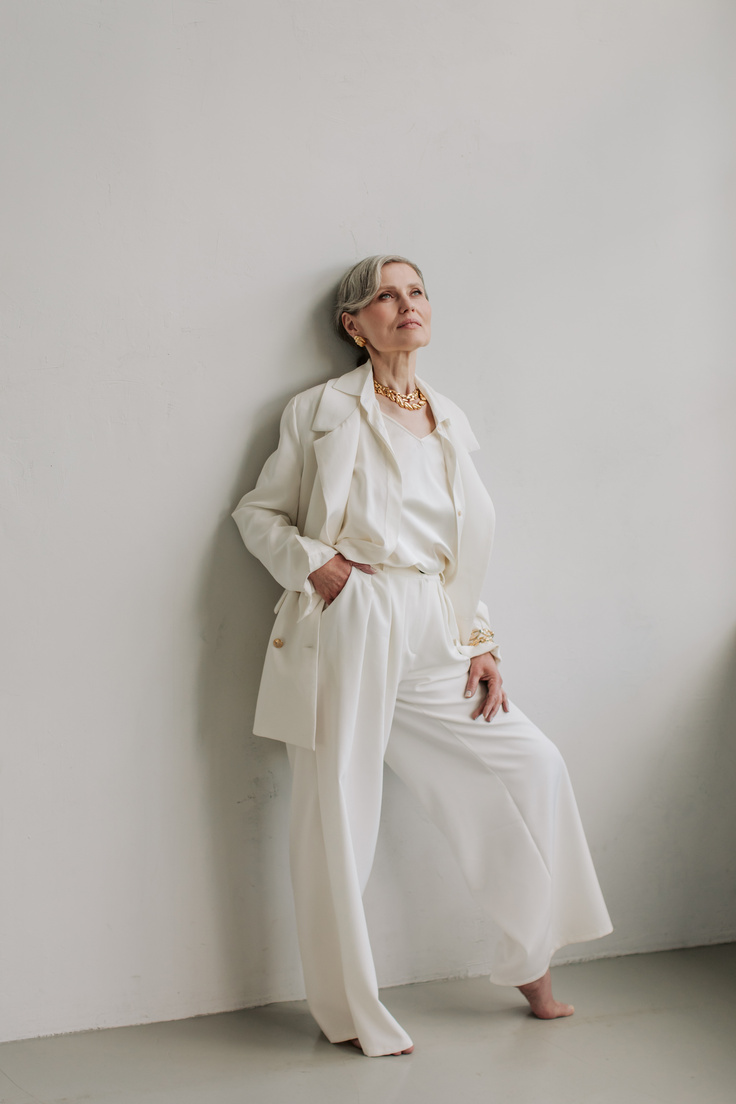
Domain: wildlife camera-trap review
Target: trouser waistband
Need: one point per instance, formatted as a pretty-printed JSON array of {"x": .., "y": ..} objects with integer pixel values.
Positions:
[{"x": 410, "y": 572}]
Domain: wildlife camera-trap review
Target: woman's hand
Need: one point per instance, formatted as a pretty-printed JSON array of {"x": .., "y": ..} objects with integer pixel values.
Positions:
[
  {"x": 329, "y": 579},
  {"x": 483, "y": 668}
]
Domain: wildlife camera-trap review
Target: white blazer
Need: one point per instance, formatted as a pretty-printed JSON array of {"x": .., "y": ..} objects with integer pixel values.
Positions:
[{"x": 291, "y": 522}]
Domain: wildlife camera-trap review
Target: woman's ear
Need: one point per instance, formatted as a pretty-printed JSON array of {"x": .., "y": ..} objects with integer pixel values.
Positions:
[{"x": 349, "y": 323}]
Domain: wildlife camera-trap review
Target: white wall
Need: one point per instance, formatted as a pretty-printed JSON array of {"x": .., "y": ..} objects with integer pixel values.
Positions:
[{"x": 184, "y": 181}]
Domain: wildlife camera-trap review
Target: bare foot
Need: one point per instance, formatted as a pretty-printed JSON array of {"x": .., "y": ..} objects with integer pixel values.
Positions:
[
  {"x": 394, "y": 1053},
  {"x": 541, "y": 1001}
]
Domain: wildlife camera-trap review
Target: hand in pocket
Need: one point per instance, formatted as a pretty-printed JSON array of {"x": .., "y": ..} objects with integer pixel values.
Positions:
[{"x": 329, "y": 579}]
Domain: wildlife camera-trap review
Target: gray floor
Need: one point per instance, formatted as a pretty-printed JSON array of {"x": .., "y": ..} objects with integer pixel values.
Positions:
[{"x": 648, "y": 1028}]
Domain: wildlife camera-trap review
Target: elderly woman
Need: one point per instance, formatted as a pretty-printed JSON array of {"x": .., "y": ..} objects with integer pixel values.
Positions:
[{"x": 373, "y": 518}]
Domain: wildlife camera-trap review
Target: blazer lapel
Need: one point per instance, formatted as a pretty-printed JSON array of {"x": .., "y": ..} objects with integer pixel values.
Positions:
[
  {"x": 339, "y": 399},
  {"x": 372, "y": 410},
  {"x": 447, "y": 431},
  {"x": 474, "y": 514},
  {"x": 335, "y": 454},
  {"x": 338, "y": 418}
]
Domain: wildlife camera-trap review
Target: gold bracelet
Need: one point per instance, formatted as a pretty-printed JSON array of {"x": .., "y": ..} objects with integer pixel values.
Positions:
[{"x": 480, "y": 636}]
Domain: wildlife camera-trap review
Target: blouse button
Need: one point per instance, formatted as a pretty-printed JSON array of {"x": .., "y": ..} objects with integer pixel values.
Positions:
[
  {"x": 278, "y": 642},
  {"x": 459, "y": 513}
]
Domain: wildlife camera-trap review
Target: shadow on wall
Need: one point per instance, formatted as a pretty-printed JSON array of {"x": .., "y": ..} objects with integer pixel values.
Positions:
[
  {"x": 248, "y": 777},
  {"x": 703, "y": 810},
  {"x": 682, "y": 891}
]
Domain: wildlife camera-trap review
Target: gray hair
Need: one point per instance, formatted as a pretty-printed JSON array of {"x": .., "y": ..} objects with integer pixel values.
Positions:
[{"x": 358, "y": 287}]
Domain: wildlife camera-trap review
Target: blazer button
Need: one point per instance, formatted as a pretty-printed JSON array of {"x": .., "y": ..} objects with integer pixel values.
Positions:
[{"x": 278, "y": 642}]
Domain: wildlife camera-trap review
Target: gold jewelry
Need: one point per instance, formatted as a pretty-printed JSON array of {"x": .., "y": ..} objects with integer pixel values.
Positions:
[
  {"x": 359, "y": 341},
  {"x": 480, "y": 636},
  {"x": 413, "y": 401}
]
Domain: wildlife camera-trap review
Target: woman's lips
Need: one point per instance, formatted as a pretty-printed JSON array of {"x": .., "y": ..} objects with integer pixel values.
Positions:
[{"x": 412, "y": 324}]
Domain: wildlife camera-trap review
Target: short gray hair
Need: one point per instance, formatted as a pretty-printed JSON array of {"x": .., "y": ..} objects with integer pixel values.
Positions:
[{"x": 359, "y": 285}]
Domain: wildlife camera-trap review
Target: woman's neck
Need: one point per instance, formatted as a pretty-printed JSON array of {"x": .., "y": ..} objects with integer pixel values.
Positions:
[{"x": 395, "y": 370}]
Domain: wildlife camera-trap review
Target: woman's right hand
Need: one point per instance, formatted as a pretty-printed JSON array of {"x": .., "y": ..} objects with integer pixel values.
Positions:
[{"x": 329, "y": 579}]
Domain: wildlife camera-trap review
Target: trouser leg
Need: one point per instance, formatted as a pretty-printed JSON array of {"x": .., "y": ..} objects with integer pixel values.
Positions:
[
  {"x": 501, "y": 794},
  {"x": 336, "y": 802},
  {"x": 317, "y": 927}
]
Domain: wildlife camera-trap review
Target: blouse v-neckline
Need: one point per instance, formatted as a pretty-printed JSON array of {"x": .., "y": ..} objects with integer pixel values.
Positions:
[{"x": 414, "y": 436}]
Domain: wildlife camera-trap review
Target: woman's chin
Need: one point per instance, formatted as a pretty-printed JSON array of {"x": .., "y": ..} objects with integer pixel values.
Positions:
[{"x": 409, "y": 344}]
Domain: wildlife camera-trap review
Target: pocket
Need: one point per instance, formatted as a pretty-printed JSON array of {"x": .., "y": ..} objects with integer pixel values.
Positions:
[{"x": 334, "y": 602}]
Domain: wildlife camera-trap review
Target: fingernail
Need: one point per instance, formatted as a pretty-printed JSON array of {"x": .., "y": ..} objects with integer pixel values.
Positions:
[{"x": 468, "y": 693}]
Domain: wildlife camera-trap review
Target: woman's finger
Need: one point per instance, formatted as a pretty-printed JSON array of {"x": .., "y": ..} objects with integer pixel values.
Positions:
[
  {"x": 484, "y": 706},
  {"x": 491, "y": 705},
  {"x": 471, "y": 686}
]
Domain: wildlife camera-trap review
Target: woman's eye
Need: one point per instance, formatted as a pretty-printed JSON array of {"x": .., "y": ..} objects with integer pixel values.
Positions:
[
  {"x": 385, "y": 295},
  {"x": 417, "y": 291}
]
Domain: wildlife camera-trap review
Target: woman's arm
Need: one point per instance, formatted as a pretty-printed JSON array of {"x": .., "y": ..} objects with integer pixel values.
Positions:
[
  {"x": 484, "y": 659},
  {"x": 266, "y": 516}
]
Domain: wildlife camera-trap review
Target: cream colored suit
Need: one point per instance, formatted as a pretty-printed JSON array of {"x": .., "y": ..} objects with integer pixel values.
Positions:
[
  {"x": 291, "y": 522},
  {"x": 379, "y": 676}
]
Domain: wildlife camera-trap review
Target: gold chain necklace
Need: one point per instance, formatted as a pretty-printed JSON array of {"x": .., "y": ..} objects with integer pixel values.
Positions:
[{"x": 415, "y": 400}]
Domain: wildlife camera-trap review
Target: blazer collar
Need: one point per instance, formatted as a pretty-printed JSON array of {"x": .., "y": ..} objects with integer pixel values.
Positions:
[{"x": 339, "y": 397}]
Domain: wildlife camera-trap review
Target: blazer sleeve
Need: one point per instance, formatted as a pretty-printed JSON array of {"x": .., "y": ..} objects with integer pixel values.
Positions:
[
  {"x": 267, "y": 515},
  {"x": 482, "y": 636}
]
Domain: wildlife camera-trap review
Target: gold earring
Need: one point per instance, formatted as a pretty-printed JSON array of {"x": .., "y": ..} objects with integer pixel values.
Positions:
[{"x": 359, "y": 341}]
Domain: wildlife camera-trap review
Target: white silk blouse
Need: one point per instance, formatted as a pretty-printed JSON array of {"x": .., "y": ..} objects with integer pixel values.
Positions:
[{"x": 428, "y": 529}]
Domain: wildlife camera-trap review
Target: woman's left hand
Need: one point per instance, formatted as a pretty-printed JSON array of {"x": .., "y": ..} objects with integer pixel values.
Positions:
[{"x": 483, "y": 668}]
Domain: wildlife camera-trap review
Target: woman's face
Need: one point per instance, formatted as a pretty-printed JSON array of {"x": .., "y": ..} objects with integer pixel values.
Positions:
[{"x": 399, "y": 317}]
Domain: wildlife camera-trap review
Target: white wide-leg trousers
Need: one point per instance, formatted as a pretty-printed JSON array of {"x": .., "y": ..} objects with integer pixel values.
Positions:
[{"x": 392, "y": 685}]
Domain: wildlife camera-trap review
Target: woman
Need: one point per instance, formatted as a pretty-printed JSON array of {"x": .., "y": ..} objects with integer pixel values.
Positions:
[{"x": 372, "y": 516}]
